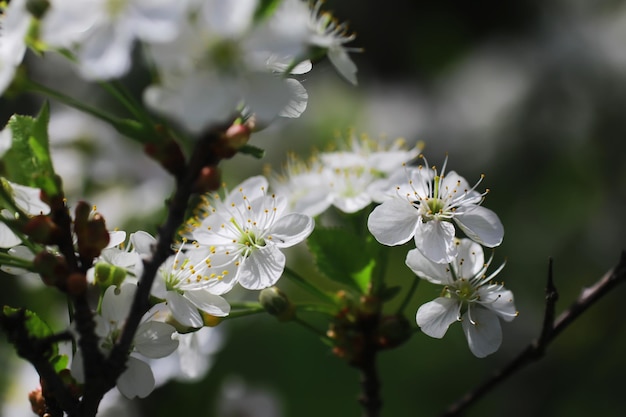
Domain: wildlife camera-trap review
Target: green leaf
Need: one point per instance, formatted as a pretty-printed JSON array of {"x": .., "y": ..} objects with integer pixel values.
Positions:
[
  {"x": 60, "y": 362},
  {"x": 34, "y": 326},
  {"x": 343, "y": 256},
  {"x": 265, "y": 9},
  {"x": 28, "y": 161}
]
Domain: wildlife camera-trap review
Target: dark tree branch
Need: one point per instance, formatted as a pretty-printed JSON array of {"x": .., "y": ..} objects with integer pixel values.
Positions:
[
  {"x": 370, "y": 386},
  {"x": 37, "y": 352},
  {"x": 551, "y": 329}
]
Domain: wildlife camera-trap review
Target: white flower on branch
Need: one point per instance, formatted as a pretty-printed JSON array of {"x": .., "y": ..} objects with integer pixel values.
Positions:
[
  {"x": 186, "y": 288},
  {"x": 427, "y": 206},
  {"x": 469, "y": 296},
  {"x": 244, "y": 234}
]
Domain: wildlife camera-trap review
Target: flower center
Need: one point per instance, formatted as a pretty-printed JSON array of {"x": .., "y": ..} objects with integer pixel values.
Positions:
[
  {"x": 115, "y": 7},
  {"x": 251, "y": 241}
]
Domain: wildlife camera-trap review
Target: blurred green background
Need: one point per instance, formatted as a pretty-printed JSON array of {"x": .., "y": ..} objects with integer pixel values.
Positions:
[{"x": 532, "y": 94}]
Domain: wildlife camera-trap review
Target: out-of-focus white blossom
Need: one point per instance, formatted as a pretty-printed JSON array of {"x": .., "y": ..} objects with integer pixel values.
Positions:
[
  {"x": 102, "y": 32},
  {"x": 14, "y": 21}
]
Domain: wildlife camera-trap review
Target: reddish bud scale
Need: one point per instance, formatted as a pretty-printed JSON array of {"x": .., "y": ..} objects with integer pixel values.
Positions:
[
  {"x": 53, "y": 269},
  {"x": 209, "y": 179},
  {"x": 168, "y": 154},
  {"x": 236, "y": 136},
  {"x": 393, "y": 331},
  {"x": 42, "y": 229},
  {"x": 37, "y": 402},
  {"x": 76, "y": 284},
  {"x": 91, "y": 234}
]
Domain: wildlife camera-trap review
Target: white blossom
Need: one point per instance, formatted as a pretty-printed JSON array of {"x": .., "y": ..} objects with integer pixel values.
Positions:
[
  {"x": 186, "y": 288},
  {"x": 102, "y": 32},
  {"x": 244, "y": 234},
  {"x": 469, "y": 296},
  {"x": 427, "y": 206},
  {"x": 26, "y": 199},
  {"x": 14, "y": 22}
]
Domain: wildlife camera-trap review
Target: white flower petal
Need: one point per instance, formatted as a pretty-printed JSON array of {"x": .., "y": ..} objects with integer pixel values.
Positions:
[
  {"x": 298, "y": 99},
  {"x": 105, "y": 54},
  {"x": 393, "y": 222},
  {"x": 252, "y": 188},
  {"x": 498, "y": 300},
  {"x": 427, "y": 269},
  {"x": 291, "y": 229},
  {"x": 483, "y": 332},
  {"x": 137, "y": 380},
  {"x": 435, "y": 239},
  {"x": 154, "y": 339},
  {"x": 142, "y": 242},
  {"x": 116, "y": 302},
  {"x": 262, "y": 268},
  {"x": 436, "y": 316},
  {"x": 116, "y": 237},
  {"x": 480, "y": 224},
  {"x": 183, "y": 310},
  {"x": 344, "y": 65},
  {"x": 8, "y": 239},
  {"x": 28, "y": 199},
  {"x": 209, "y": 303},
  {"x": 473, "y": 258}
]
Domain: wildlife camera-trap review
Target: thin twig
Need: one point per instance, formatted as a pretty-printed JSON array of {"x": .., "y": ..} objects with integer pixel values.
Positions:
[{"x": 551, "y": 329}]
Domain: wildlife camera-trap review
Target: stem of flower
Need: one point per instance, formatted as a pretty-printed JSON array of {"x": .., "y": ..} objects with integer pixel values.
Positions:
[
  {"x": 8, "y": 260},
  {"x": 311, "y": 328},
  {"x": 316, "y": 308},
  {"x": 243, "y": 313},
  {"x": 117, "y": 91},
  {"x": 35, "y": 87},
  {"x": 408, "y": 296},
  {"x": 307, "y": 285}
]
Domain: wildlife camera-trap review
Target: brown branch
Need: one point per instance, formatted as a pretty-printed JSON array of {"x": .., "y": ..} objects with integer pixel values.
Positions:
[
  {"x": 370, "y": 386},
  {"x": 551, "y": 329}
]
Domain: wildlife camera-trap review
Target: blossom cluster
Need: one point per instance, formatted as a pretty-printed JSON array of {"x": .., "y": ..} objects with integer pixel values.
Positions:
[
  {"x": 237, "y": 239},
  {"x": 425, "y": 205},
  {"x": 419, "y": 203},
  {"x": 349, "y": 179},
  {"x": 210, "y": 59}
]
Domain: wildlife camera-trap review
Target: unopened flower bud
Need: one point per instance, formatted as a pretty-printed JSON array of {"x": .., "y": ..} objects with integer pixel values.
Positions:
[
  {"x": 42, "y": 229},
  {"x": 52, "y": 268},
  {"x": 209, "y": 179},
  {"x": 237, "y": 136},
  {"x": 168, "y": 154},
  {"x": 91, "y": 233},
  {"x": 393, "y": 331},
  {"x": 76, "y": 284},
  {"x": 275, "y": 302},
  {"x": 37, "y": 402},
  {"x": 106, "y": 275}
]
